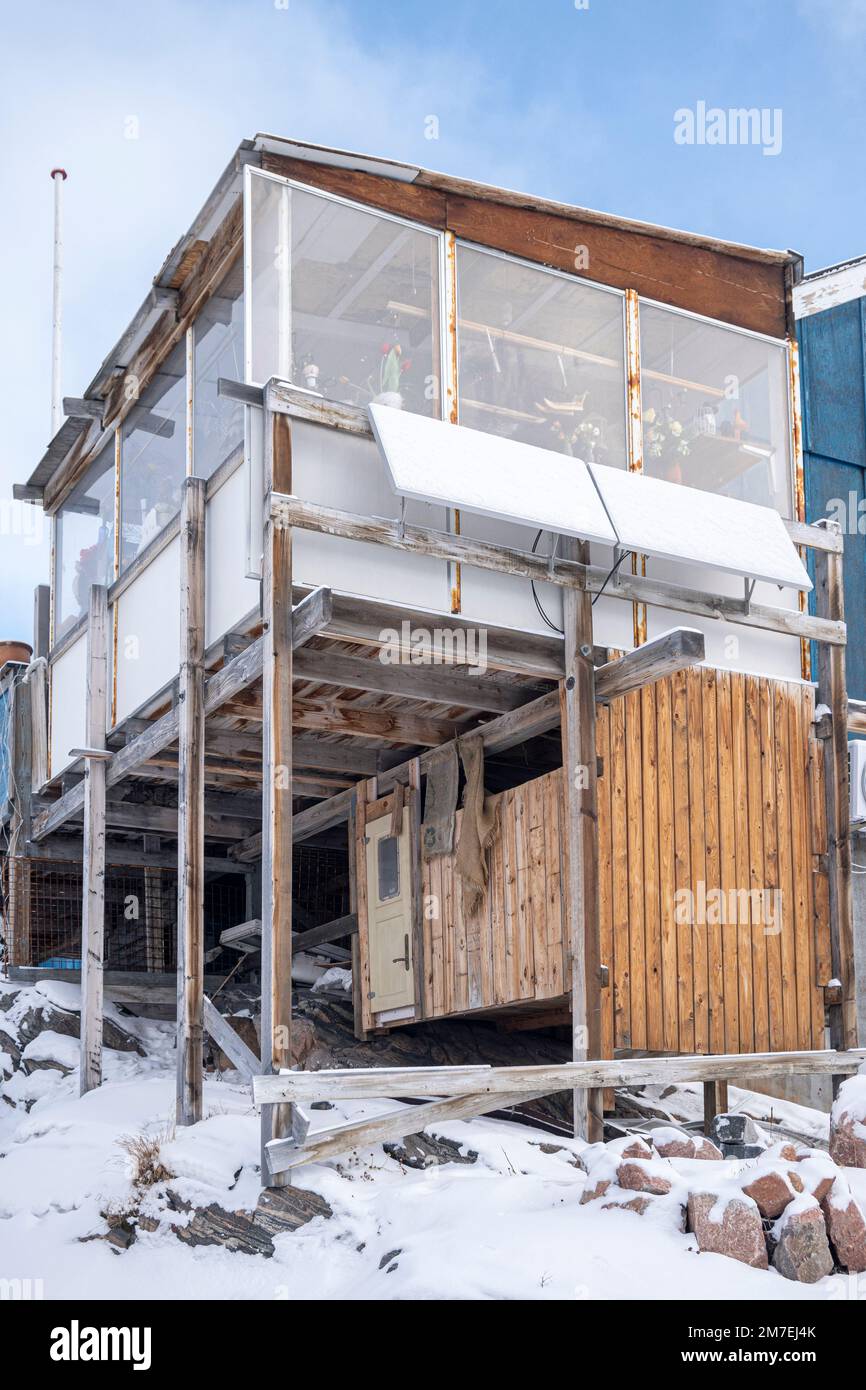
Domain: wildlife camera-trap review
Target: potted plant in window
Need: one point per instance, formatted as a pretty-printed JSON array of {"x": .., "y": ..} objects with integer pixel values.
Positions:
[
  {"x": 666, "y": 442},
  {"x": 391, "y": 370}
]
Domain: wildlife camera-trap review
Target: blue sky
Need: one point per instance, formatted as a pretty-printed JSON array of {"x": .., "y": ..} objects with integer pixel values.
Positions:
[{"x": 568, "y": 102}]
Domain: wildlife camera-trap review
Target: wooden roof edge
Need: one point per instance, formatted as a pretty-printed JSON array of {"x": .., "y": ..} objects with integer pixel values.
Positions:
[{"x": 449, "y": 183}]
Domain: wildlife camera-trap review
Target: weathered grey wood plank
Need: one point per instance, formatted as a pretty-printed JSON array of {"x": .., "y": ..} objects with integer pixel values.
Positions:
[
  {"x": 93, "y": 856},
  {"x": 311, "y": 516},
  {"x": 673, "y": 651},
  {"x": 414, "y": 1082},
  {"x": 284, "y": 1155},
  {"x": 276, "y": 785},
  {"x": 232, "y": 1044},
  {"x": 190, "y": 814}
]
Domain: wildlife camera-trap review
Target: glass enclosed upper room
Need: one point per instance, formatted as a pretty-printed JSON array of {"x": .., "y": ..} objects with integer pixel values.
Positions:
[
  {"x": 353, "y": 305},
  {"x": 357, "y": 305}
]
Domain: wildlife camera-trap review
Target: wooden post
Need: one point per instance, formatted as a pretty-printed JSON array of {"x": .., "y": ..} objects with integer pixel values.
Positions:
[
  {"x": 93, "y": 859},
  {"x": 580, "y": 841},
  {"x": 21, "y": 792},
  {"x": 276, "y": 784},
  {"x": 830, "y": 603},
  {"x": 715, "y": 1102},
  {"x": 190, "y": 802}
]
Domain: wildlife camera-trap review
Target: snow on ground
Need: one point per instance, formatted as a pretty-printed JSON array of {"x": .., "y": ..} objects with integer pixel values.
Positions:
[{"x": 506, "y": 1227}]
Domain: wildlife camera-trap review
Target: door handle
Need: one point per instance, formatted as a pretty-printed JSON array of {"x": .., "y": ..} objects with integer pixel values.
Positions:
[{"x": 404, "y": 959}]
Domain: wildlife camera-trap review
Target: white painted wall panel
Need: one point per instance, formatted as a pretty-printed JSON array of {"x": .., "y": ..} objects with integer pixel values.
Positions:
[
  {"x": 343, "y": 471},
  {"x": 68, "y": 704},
  {"x": 229, "y": 594},
  {"x": 148, "y": 634},
  {"x": 729, "y": 645}
]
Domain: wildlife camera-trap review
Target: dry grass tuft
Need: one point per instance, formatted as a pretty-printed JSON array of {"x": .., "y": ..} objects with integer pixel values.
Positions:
[{"x": 145, "y": 1150}]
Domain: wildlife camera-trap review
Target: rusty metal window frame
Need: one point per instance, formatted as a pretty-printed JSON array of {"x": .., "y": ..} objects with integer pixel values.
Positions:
[{"x": 789, "y": 349}]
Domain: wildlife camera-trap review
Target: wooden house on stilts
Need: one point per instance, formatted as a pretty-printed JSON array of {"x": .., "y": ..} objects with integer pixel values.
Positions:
[{"x": 431, "y": 595}]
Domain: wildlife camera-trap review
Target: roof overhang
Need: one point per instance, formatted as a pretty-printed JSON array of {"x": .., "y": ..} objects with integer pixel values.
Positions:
[{"x": 163, "y": 296}]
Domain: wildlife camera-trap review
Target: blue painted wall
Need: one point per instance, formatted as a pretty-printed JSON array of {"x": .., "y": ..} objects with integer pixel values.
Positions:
[{"x": 833, "y": 384}]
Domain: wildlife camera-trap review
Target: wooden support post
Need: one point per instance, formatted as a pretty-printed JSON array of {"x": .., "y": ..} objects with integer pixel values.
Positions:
[
  {"x": 93, "y": 865},
  {"x": 21, "y": 794},
  {"x": 830, "y": 603},
  {"x": 580, "y": 840},
  {"x": 190, "y": 813},
  {"x": 715, "y": 1102},
  {"x": 276, "y": 785}
]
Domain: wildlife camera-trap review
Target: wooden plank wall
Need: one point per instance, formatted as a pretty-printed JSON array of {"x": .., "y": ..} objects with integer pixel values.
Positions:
[
  {"x": 713, "y": 778},
  {"x": 514, "y": 952},
  {"x": 709, "y": 777}
]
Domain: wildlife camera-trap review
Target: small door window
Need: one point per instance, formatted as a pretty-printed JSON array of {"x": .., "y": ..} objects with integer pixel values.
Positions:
[{"x": 389, "y": 868}]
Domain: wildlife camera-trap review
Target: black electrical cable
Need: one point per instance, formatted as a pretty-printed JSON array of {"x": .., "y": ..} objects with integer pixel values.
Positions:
[
  {"x": 536, "y": 599},
  {"x": 624, "y": 556}
]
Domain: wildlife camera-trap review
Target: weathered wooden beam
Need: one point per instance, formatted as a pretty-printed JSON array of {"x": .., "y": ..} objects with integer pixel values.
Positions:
[
  {"x": 327, "y": 933},
  {"x": 222, "y": 686},
  {"x": 311, "y": 615},
  {"x": 277, "y": 784},
  {"x": 403, "y": 1083},
  {"x": 579, "y": 835},
  {"x": 93, "y": 857},
  {"x": 41, "y": 620},
  {"x": 534, "y": 718},
  {"x": 69, "y": 852},
  {"x": 444, "y": 684},
  {"x": 673, "y": 651},
  {"x": 365, "y": 620},
  {"x": 190, "y": 814},
  {"x": 832, "y": 691},
  {"x": 244, "y": 1060},
  {"x": 286, "y": 1154},
  {"x": 333, "y": 757},
  {"x": 715, "y": 1102},
  {"x": 284, "y": 399},
  {"x": 80, "y": 407},
  {"x": 311, "y": 516},
  {"x": 857, "y": 717}
]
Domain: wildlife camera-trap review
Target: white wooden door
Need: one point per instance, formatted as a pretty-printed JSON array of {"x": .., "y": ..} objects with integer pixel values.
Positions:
[{"x": 389, "y": 917}]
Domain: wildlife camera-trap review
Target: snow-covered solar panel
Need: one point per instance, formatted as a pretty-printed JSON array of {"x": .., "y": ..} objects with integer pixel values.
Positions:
[
  {"x": 431, "y": 461},
  {"x": 655, "y": 517}
]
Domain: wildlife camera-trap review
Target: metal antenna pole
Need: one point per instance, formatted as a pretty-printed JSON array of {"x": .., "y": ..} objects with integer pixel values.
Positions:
[{"x": 58, "y": 177}]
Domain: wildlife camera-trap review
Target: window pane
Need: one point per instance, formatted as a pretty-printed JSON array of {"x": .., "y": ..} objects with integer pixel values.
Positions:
[
  {"x": 269, "y": 280},
  {"x": 364, "y": 306},
  {"x": 715, "y": 409},
  {"x": 85, "y": 541},
  {"x": 389, "y": 868},
  {"x": 541, "y": 358},
  {"x": 153, "y": 458},
  {"x": 218, "y": 428},
  {"x": 354, "y": 316}
]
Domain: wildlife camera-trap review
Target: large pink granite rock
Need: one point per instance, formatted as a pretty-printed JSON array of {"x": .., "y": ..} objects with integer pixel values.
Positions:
[
  {"x": 846, "y": 1227},
  {"x": 772, "y": 1190},
  {"x": 802, "y": 1250},
  {"x": 848, "y": 1124},
  {"x": 728, "y": 1223}
]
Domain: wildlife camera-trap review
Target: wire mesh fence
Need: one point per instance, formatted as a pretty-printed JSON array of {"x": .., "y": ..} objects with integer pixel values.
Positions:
[
  {"x": 42, "y": 915},
  {"x": 41, "y": 910}
]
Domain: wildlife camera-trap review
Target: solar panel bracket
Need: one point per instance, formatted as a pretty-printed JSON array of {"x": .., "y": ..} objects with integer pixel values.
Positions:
[{"x": 748, "y": 590}]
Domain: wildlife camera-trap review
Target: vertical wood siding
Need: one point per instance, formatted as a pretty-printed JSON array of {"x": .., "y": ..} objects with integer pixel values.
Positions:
[{"x": 711, "y": 781}]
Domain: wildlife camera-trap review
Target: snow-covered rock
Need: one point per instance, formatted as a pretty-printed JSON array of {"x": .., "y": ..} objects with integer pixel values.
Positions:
[
  {"x": 726, "y": 1222},
  {"x": 50, "y": 1050},
  {"x": 848, "y": 1123},
  {"x": 846, "y": 1227},
  {"x": 801, "y": 1248}
]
